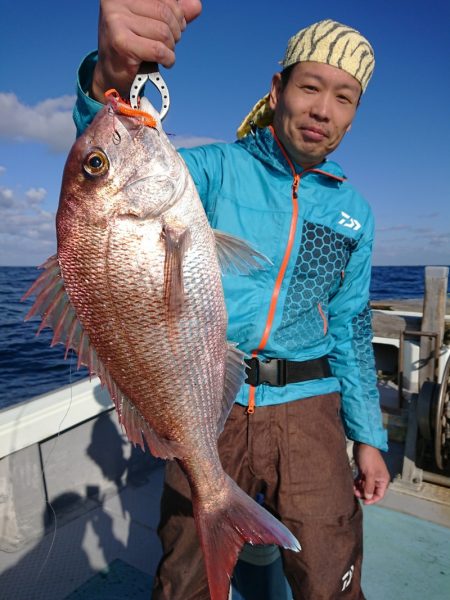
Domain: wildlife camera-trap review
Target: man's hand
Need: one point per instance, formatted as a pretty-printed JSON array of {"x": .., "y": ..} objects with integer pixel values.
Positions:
[
  {"x": 134, "y": 31},
  {"x": 373, "y": 477}
]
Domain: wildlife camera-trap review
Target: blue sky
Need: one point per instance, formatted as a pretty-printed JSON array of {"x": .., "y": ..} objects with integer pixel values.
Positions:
[{"x": 397, "y": 153}]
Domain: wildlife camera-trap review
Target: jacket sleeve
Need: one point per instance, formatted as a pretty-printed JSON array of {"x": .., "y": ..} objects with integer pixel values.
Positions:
[
  {"x": 352, "y": 358},
  {"x": 85, "y": 107},
  {"x": 206, "y": 167}
]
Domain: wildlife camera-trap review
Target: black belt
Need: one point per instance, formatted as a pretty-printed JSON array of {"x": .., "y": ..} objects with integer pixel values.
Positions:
[{"x": 279, "y": 371}]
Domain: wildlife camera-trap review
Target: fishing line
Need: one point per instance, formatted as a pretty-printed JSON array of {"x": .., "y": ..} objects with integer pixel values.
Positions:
[{"x": 44, "y": 464}]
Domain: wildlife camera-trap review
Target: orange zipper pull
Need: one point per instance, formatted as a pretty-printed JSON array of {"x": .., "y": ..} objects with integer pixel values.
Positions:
[{"x": 295, "y": 185}]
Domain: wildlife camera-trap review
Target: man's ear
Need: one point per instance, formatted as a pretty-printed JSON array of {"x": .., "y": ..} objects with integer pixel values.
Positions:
[{"x": 275, "y": 91}]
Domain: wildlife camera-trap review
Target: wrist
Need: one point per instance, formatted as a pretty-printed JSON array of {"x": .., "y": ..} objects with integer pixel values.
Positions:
[
  {"x": 103, "y": 81},
  {"x": 364, "y": 445},
  {"x": 97, "y": 89},
  {"x": 359, "y": 447}
]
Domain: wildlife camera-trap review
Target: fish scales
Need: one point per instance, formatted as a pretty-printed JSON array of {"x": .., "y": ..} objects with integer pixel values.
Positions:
[
  {"x": 142, "y": 304},
  {"x": 132, "y": 316}
]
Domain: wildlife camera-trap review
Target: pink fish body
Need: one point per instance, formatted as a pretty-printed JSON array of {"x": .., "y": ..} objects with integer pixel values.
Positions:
[{"x": 136, "y": 290}]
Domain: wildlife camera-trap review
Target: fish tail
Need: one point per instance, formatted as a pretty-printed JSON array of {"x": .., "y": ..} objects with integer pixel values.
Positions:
[{"x": 225, "y": 530}]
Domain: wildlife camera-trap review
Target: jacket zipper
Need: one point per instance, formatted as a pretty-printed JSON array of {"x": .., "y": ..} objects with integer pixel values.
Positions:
[
  {"x": 281, "y": 272},
  {"x": 285, "y": 261}
]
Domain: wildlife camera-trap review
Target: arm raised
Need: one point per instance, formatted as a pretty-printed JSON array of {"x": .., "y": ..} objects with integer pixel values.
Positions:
[{"x": 131, "y": 32}]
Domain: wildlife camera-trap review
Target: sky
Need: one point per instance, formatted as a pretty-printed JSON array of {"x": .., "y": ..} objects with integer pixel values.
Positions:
[{"x": 397, "y": 153}]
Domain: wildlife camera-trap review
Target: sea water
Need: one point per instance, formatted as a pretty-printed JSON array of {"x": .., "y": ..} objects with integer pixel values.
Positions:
[{"x": 29, "y": 367}]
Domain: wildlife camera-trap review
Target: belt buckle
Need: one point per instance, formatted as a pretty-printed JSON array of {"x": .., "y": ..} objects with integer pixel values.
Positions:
[{"x": 271, "y": 372}]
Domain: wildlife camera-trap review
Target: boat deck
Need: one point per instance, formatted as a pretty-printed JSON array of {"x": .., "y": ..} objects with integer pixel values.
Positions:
[
  {"x": 67, "y": 446},
  {"x": 109, "y": 550}
]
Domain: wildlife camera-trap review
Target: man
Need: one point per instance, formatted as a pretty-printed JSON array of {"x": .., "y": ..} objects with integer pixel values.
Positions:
[{"x": 284, "y": 442}]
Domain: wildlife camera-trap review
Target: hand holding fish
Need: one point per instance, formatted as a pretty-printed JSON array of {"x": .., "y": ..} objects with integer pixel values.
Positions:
[{"x": 136, "y": 31}]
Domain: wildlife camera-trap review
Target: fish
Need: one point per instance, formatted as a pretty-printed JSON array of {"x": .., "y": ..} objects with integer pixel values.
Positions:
[{"x": 135, "y": 289}]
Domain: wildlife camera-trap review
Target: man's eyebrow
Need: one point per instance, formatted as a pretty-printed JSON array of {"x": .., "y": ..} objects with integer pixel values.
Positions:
[
  {"x": 353, "y": 87},
  {"x": 348, "y": 86}
]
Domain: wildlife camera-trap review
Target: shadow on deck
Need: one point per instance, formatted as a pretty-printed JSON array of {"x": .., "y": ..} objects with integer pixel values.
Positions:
[{"x": 111, "y": 551}]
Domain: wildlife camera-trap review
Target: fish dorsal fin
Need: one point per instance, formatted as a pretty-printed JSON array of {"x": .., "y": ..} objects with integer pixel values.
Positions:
[
  {"x": 237, "y": 256},
  {"x": 53, "y": 304},
  {"x": 234, "y": 378}
]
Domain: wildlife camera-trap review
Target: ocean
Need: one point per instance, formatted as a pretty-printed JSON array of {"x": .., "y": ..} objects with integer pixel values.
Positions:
[{"x": 29, "y": 367}]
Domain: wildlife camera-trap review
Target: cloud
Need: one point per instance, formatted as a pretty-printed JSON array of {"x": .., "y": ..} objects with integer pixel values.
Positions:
[
  {"x": 36, "y": 195},
  {"x": 402, "y": 249},
  {"x": 27, "y": 231},
  {"x": 6, "y": 193},
  {"x": 2, "y": 169},
  {"x": 185, "y": 141},
  {"x": 394, "y": 228},
  {"x": 49, "y": 122},
  {"x": 40, "y": 225},
  {"x": 440, "y": 239},
  {"x": 424, "y": 232},
  {"x": 6, "y": 197}
]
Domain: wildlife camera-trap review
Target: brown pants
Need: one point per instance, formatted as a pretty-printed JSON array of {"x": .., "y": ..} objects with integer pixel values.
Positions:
[{"x": 294, "y": 454}]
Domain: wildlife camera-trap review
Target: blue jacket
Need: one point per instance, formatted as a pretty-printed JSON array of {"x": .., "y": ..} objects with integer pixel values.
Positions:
[{"x": 319, "y": 238}]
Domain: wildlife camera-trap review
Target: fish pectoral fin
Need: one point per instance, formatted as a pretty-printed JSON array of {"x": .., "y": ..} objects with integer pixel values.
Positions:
[
  {"x": 237, "y": 256},
  {"x": 176, "y": 238},
  {"x": 234, "y": 378}
]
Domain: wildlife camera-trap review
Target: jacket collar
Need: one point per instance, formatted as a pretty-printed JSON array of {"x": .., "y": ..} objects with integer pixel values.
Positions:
[{"x": 263, "y": 145}]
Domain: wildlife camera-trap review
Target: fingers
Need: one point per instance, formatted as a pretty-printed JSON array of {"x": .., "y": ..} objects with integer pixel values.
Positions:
[
  {"x": 140, "y": 30},
  {"x": 161, "y": 21},
  {"x": 191, "y": 9},
  {"x": 135, "y": 31},
  {"x": 373, "y": 478},
  {"x": 379, "y": 490},
  {"x": 370, "y": 489}
]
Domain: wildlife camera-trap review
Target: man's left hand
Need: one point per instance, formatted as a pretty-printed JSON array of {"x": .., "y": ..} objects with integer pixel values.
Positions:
[{"x": 373, "y": 477}]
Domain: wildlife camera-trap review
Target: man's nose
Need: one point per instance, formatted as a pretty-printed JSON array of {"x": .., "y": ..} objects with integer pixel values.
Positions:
[{"x": 321, "y": 107}]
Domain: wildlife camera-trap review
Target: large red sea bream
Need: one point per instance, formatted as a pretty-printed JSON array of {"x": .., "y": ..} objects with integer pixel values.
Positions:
[{"x": 135, "y": 289}]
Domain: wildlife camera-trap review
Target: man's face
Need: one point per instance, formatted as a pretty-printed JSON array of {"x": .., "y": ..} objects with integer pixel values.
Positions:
[{"x": 314, "y": 110}]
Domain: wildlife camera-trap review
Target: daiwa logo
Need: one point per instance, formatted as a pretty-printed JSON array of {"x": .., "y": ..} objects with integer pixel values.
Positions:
[
  {"x": 347, "y": 578},
  {"x": 348, "y": 221}
]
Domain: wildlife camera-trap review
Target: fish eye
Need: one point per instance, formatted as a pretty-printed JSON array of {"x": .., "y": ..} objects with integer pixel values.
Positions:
[{"x": 96, "y": 163}]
